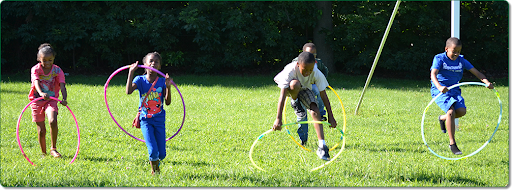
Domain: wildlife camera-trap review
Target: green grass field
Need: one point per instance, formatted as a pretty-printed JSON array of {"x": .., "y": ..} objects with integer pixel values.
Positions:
[{"x": 384, "y": 147}]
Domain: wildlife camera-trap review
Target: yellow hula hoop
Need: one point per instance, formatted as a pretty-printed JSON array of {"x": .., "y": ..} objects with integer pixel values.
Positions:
[
  {"x": 342, "y": 131},
  {"x": 252, "y": 149},
  {"x": 266, "y": 132},
  {"x": 332, "y": 148},
  {"x": 295, "y": 123}
]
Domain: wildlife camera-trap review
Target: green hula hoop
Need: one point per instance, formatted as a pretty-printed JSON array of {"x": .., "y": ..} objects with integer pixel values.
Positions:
[
  {"x": 479, "y": 149},
  {"x": 303, "y": 122},
  {"x": 341, "y": 131},
  {"x": 266, "y": 132}
]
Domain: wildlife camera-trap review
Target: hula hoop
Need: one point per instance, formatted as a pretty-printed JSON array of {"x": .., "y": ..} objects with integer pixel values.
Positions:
[
  {"x": 157, "y": 71},
  {"x": 479, "y": 149},
  {"x": 18, "y": 129},
  {"x": 266, "y": 132},
  {"x": 344, "y": 129},
  {"x": 341, "y": 131},
  {"x": 295, "y": 123},
  {"x": 252, "y": 148}
]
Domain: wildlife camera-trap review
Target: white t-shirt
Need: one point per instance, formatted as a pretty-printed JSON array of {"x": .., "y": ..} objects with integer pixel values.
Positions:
[{"x": 292, "y": 72}]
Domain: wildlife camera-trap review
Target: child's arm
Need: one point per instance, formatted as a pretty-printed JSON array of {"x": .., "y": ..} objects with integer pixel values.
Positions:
[
  {"x": 481, "y": 77},
  {"x": 433, "y": 77},
  {"x": 130, "y": 86},
  {"x": 282, "y": 97},
  {"x": 41, "y": 93},
  {"x": 327, "y": 105},
  {"x": 64, "y": 94},
  {"x": 168, "y": 89}
]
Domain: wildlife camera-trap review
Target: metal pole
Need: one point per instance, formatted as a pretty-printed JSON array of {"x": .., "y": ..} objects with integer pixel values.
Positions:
[
  {"x": 378, "y": 53},
  {"x": 455, "y": 19}
]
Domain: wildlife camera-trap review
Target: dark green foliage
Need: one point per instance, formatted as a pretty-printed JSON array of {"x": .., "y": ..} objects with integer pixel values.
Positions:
[{"x": 248, "y": 37}]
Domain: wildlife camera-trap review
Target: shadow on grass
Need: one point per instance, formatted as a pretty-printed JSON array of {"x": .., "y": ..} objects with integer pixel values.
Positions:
[
  {"x": 245, "y": 179},
  {"x": 335, "y": 80},
  {"x": 391, "y": 147},
  {"x": 439, "y": 179},
  {"x": 190, "y": 163},
  {"x": 95, "y": 158}
]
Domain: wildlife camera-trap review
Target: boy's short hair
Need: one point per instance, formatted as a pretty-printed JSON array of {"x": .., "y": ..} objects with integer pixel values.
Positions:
[
  {"x": 308, "y": 45},
  {"x": 453, "y": 41},
  {"x": 306, "y": 58}
]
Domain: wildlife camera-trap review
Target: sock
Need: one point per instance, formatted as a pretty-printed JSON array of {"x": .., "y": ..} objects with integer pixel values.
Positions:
[
  {"x": 321, "y": 143},
  {"x": 295, "y": 99}
]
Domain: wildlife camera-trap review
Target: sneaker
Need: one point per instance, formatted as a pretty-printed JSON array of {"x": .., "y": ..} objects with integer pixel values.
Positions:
[
  {"x": 299, "y": 110},
  {"x": 443, "y": 125},
  {"x": 455, "y": 149},
  {"x": 324, "y": 118},
  {"x": 323, "y": 153}
]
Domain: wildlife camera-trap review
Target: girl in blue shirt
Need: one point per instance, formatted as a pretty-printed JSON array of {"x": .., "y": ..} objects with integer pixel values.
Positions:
[
  {"x": 152, "y": 117},
  {"x": 446, "y": 70}
]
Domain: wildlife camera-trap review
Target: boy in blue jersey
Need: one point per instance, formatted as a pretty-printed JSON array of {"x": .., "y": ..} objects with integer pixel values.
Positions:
[{"x": 446, "y": 70}]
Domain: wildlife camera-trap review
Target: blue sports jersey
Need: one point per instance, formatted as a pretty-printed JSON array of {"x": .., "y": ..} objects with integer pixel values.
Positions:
[
  {"x": 450, "y": 72},
  {"x": 153, "y": 106}
]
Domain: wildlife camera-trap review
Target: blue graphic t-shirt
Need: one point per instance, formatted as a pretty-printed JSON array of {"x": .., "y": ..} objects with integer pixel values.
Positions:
[
  {"x": 153, "y": 106},
  {"x": 450, "y": 71}
]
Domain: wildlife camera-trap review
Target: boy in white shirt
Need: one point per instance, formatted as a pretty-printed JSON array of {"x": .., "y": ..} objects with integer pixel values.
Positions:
[{"x": 296, "y": 80}]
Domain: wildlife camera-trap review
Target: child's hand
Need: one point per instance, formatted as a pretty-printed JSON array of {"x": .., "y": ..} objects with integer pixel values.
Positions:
[
  {"x": 45, "y": 96},
  {"x": 333, "y": 122},
  {"x": 443, "y": 89},
  {"x": 64, "y": 102},
  {"x": 134, "y": 67},
  {"x": 168, "y": 80},
  {"x": 277, "y": 125},
  {"x": 490, "y": 86}
]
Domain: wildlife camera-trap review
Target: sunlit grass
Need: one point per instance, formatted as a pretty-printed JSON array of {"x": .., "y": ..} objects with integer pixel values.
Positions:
[{"x": 225, "y": 114}]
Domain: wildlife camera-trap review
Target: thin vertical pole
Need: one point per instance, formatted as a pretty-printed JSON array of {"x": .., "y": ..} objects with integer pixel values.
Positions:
[
  {"x": 378, "y": 53},
  {"x": 455, "y": 19}
]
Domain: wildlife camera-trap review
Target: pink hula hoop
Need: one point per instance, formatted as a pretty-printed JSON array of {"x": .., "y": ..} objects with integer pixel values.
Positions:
[
  {"x": 18, "y": 129},
  {"x": 157, "y": 71}
]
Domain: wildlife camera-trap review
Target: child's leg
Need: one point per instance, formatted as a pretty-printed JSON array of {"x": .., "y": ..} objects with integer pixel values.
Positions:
[
  {"x": 160, "y": 140},
  {"x": 52, "y": 112},
  {"x": 294, "y": 89},
  {"x": 323, "y": 150},
  {"x": 148, "y": 131},
  {"x": 41, "y": 135},
  {"x": 303, "y": 129},
  {"x": 321, "y": 106},
  {"x": 450, "y": 116},
  {"x": 450, "y": 123},
  {"x": 459, "y": 112},
  {"x": 155, "y": 167},
  {"x": 449, "y": 119},
  {"x": 38, "y": 117},
  {"x": 315, "y": 114},
  {"x": 54, "y": 129}
]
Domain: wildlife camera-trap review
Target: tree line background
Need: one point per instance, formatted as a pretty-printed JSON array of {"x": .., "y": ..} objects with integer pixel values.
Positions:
[{"x": 229, "y": 37}]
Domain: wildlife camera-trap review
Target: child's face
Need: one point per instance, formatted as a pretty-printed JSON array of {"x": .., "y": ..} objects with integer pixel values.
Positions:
[
  {"x": 153, "y": 61},
  {"x": 453, "y": 51},
  {"x": 306, "y": 68},
  {"x": 46, "y": 60}
]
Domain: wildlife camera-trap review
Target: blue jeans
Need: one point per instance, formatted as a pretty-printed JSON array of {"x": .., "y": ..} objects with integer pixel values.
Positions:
[
  {"x": 303, "y": 128},
  {"x": 154, "y": 135}
]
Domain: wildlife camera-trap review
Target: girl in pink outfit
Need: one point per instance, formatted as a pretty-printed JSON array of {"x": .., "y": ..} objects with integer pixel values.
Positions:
[{"x": 47, "y": 79}]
